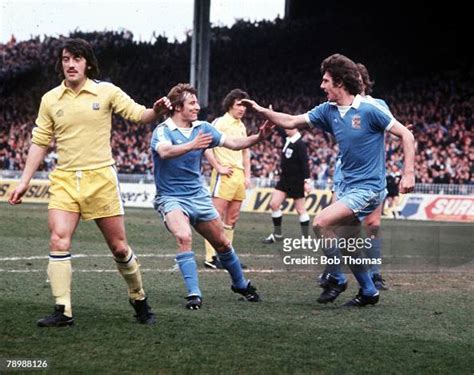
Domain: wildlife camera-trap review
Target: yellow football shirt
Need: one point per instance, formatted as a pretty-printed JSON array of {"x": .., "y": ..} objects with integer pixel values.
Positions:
[
  {"x": 81, "y": 123},
  {"x": 233, "y": 128}
]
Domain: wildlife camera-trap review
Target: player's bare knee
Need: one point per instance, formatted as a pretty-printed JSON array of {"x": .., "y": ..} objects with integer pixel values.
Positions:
[
  {"x": 118, "y": 246},
  {"x": 231, "y": 221},
  {"x": 301, "y": 211},
  {"x": 274, "y": 206},
  {"x": 372, "y": 222},
  {"x": 120, "y": 251},
  {"x": 223, "y": 246},
  {"x": 320, "y": 223},
  {"x": 184, "y": 238},
  {"x": 59, "y": 243}
]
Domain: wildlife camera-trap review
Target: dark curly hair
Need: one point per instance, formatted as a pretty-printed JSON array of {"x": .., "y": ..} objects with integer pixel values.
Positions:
[
  {"x": 343, "y": 72},
  {"x": 364, "y": 74},
  {"x": 78, "y": 48},
  {"x": 231, "y": 97}
]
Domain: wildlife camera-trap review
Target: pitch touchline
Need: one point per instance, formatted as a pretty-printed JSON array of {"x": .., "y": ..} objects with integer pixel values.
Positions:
[
  {"x": 251, "y": 270},
  {"x": 169, "y": 270},
  {"x": 246, "y": 255},
  {"x": 36, "y": 257}
]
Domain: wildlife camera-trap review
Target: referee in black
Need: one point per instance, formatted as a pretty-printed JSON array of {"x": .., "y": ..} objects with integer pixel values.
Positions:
[{"x": 294, "y": 182}]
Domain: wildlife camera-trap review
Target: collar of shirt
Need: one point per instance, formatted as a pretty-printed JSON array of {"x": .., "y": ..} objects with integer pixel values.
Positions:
[
  {"x": 229, "y": 119},
  {"x": 89, "y": 86},
  {"x": 172, "y": 126},
  {"x": 355, "y": 103},
  {"x": 291, "y": 139}
]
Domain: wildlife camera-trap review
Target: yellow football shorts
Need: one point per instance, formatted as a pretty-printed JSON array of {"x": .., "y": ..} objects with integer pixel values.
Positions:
[
  {"x": 229, "y": 188},
  {"x": 93, "y": 193}
]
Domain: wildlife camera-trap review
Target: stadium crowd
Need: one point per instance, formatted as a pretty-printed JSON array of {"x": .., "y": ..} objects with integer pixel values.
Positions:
[{"x": 439, "y": 107}]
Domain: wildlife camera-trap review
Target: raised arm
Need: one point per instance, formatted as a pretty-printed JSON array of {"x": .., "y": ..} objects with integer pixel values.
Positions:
[
  {"x": 407, "y": 183},
  {"x": 278, "y": 118},
  {"x": 161, "y": 106},
  {"x": 36, "y": 155},
  {"x": 245, "y": 142},
  {"x": 168, "y": 151}
]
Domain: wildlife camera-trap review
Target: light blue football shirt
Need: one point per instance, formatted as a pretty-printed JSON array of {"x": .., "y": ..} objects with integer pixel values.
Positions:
[
  {"x": 180, "y": 176},
  {"x": 360, "y": 135}
]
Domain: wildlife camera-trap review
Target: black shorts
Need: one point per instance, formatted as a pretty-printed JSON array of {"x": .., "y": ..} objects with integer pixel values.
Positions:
[
  {"x": 392, "y": 192},
  {"x": 293, "y": 189}
]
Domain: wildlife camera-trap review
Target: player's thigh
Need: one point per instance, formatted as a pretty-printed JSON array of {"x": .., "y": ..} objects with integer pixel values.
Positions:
[
  {"x": 213, "y": 231},
  {"x": 277, "y": 199},
  {"x": 178, "y": 224},
  {"x": 374, "y": 218},
  {"x": 62, "y": 225},
  {"x": 334, "y": 215},
  {"x": 113, "y": 230},
  {"x": 221, "y": 206},
  {"x": 233, "y": 212}
]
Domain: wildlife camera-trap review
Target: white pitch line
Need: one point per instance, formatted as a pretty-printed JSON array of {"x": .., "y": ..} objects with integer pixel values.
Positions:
[
  {"x": 44, "y": 257},
  {"x": 147, "y": 270},
  {"x": 246, "y": 255},
  {"x": 453, "y": 270}
]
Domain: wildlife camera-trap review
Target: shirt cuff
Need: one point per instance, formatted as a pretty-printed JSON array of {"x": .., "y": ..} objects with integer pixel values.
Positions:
[
  {"x": 221, "y": 142},
  {"x": 308, "y": 121},
  {"x": 389, "y": 126},
  {"x": 162, "y": 143}
]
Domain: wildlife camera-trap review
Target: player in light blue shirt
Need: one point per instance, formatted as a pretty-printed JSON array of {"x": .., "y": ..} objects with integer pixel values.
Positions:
[
  {"x": 177, "y": 148},
  {"x": 358, "y": 124},
  {"x": 333, "y": 272}
]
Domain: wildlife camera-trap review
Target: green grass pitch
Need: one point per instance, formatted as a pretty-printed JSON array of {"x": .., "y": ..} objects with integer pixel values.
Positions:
[{"x": 423, "y": 324}]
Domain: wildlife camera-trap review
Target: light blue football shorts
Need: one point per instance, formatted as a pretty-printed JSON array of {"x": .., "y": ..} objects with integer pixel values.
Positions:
[
  {"x": 361, "y": 201},
  {"x": 197, "y": 207}
]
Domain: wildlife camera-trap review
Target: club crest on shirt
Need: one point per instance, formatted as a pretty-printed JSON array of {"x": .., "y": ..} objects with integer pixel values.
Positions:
[
  {"x": 356, "y": 122},
  {"x": 60, "y": 113},
  {"x": 95, "y": 106},
  {"x": 288, "y": 153}
]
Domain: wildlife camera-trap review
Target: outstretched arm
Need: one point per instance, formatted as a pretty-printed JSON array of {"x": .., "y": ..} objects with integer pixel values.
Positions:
[
  {"x": 245, "y": 142},
  {"x": 161, "y": 106},
  {"x": 407, "y": 183},
  {"x": 168, "y": 151},
  {"x": 36, "y": 155},
  {"x": 278, "y": 118}
]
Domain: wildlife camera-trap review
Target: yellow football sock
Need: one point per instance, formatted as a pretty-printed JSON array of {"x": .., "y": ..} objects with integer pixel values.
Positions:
[
  {"x": 129, "y": 268},
  {"x": 229, "y": 232},
  {"x": 60, "y": 278},
  {"x": 210, "y": 252}
]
